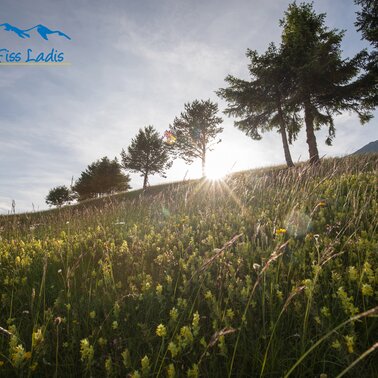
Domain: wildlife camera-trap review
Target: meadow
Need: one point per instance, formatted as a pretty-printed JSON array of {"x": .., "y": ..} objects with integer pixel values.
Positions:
[{"x": 270, "y": 273}]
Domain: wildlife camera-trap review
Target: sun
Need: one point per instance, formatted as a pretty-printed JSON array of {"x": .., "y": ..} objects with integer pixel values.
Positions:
[{"x": 215, "y": 172}]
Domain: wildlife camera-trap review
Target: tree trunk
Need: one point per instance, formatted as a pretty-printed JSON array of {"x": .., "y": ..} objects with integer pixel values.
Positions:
[
  {"x": 285, "y": 143},
  {"x": 145, "y": 181},
  {"x": 311, "y": 139},
  {"x": 203, "y": 164}
]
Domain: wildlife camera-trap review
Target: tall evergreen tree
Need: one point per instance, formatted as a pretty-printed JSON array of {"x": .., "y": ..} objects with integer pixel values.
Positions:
[
  {"x": 367, "y": 20},
  {"x": 367, "y": 24},
  {"x": 104, "y": 176},
  {"x": 196, "y": 130},
  {"x": 263, "y": 101},
  {"x": 322, "y": 80},
  {"x": 147, "y": 154}
]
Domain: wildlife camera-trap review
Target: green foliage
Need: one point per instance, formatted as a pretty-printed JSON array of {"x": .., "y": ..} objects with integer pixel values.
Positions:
[
  {"x": 264, "y": 102},
  {"x": 147, "y": 154},
  {"x": 59, "y": 196},
  {"x": 367, "y": 20},
  {"x": 322, "y": 81},
  {"x": 202, "y": 279},
  {"x": 104, "y": 176},
  {"x": 367, "y": 24},
  {"x": 196, "y": 129}
]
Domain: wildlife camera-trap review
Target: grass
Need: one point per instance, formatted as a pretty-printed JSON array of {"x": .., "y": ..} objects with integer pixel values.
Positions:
[{"x": 272, "y": 272}]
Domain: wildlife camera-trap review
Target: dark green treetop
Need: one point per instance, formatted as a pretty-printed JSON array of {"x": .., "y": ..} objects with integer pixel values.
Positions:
[{"x": 147, "y": 154}]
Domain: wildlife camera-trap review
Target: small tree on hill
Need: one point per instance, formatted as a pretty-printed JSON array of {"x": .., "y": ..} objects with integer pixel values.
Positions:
[
  {"x": 104, "y": 176},
  {"x": 59, "y": 196},
  {"x": 147, "y": 154},
  {"x": 196, "y": 130}
]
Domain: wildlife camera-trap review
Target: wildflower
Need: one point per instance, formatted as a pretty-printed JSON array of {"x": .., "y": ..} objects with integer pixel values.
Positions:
[
  {"x": 145, "y": 362},
  {"x": 92, "y": 314},
  {"x": 115, "y": 324},
  {"x": 173, "y": 314},
  {"x": 230, "y": 313},
  {"x": 209, "y": 295},
  {"x": 171, "y": 372},
  {"x": 136, "y": 374},
  {"x": 116, "y": 310},
  {"x": 108, "y": 366},
  {"x": 193, "y": 372},
  {"x": 279, "y": 295},
  {"x": 174, "y": 349},
  {"x": 349, "y": 343},
  {"x": 281, "y": 231},
  {"x": 37, "y": 338},
  {"x": 367, "y": 290},
  {"x": 86, "y": 351},
  {"x": 126, "y": 358},
  {"x": 325, "y": 312},
  {"x": 336, "y": 344},
  {"x": 19, "y": 356},
  {"x": 196, "y": 319},
  {"x": 186, "y": 335},
  {"x": 159, "y": 289},
  {"x": 322, "y": 204},
  {"x": 353, "y": 273},
  {"x": 161, "y": 331}
]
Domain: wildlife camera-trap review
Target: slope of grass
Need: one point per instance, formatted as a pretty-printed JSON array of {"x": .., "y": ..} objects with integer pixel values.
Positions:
[{"x": 270, "y": 272}]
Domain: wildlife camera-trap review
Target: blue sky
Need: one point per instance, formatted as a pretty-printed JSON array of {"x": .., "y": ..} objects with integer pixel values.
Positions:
[{"x": 135, "y": 63}]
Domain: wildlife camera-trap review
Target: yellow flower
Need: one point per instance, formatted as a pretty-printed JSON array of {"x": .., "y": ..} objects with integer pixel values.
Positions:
[
  {"x": 350, "y": 343},
  {"x": 92, "y": 314},
  {"x": 336, "y": 344},
  {"x": 161, "y": 331},
  {"x": 173, "y": 348},
  {"x": 173, "y": 314},
  {"x": 171, "y": 372},
  {"x": 281, "y": 231},
  {"x": 367, "y": 290},
  {"x": 37, "y": 338}
]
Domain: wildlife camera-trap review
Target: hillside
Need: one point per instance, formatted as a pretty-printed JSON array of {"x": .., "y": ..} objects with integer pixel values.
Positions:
[
  {"x": 371, "y": 147},
  {"x": 269, "y": 272}
]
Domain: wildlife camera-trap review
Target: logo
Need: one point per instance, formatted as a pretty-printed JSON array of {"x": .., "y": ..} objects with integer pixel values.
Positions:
[
  {"x": 29, "y": 56},
  {"x": 42, "y": 30}
]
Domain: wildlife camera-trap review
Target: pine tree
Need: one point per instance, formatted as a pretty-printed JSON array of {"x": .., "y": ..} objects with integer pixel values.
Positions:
[
  {"x": 196, "y": 130},
  {"x": 147, "y": 154},
  {"x": 104, "y": 176},
  {"x": 322, "y": 81},
  {"x": 263, "y": 102}
]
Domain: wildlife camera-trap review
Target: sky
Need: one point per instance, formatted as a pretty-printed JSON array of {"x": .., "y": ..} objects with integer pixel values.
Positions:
[{"x": 135, "y": 63}]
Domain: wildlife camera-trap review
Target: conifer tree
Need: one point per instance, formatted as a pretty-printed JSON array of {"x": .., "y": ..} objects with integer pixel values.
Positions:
[
  {"x": 196, "y": 131},
  {"x": 147, "y": 154}
]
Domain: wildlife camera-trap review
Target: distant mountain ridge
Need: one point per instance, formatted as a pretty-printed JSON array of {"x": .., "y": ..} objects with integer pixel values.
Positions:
[
  {"x": 42, "y": 30},
  {"x": 368, "y": 148}
]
